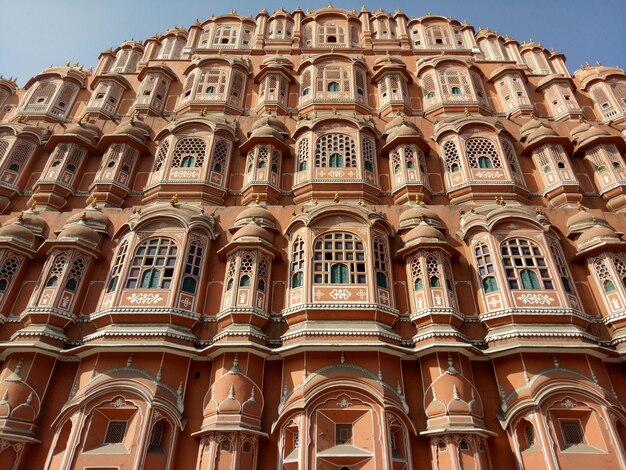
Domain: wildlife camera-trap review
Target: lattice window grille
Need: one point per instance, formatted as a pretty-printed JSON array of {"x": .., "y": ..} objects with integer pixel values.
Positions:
[
  {"x": 118, "y": 265},
  {"x": 158, "y": 255},
  {"x": 510, "y": 155},
  {"x": 477, "y": 147},
  {"x": 529, "y": 434},
  {"x": 339, "y": 248},
  {"x": 416, "y": 269},
  {"x": 330, "y": 144},
  {"x": 9, "y": 267},
  {"x": 230, "y": 274},
  {"x": 161, "y": 155},
  {"x": 449, "y": 281},
  {"x": 189, "y": 147},
  {"x": 297, "y": 256},
  {"x": 20, "y": 154},
  {"x": 484, "y": 262},
  {"x": 453, "y": 80},
  {"x": 4, "y": 146},
  {"x": 303, "y": 154},
  {"x": 368, "y": 151},
  {"x": 156, "y": 438},
  {"x": 42, "y": 95},
  {"x": 519, "y": 256},
  {"x": 380, "y": 262},
  {"x": 116, "y": 431},
  {"x": 451, "y": 154},
  {"x": 220, "y": 156},
  {"x": 573, "y": 433}
]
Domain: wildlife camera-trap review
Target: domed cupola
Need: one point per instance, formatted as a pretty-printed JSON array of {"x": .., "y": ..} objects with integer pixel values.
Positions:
[
  {"x": 265, "y": 149},
  {"x": 601, "y": 237},
  {"x": 257, "y": 213},
  {"x": 413, "y": 216},
  {"x": 19, "y": 406},
  {"x": 83, "y": 134},
  {"x": 452, "y": 404},
  {"x": 407, "y": 150},
  {"x": 233, "y": 403}
]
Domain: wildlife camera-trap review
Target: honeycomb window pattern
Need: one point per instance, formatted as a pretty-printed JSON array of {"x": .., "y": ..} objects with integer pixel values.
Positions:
[{"x": 335, "y": 144}]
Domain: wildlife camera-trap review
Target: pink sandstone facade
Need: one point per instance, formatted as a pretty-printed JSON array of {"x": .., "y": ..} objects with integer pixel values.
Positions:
[{"x": 321, "y": 240}]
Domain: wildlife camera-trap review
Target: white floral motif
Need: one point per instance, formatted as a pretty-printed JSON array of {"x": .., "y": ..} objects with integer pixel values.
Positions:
[
  {"x": 344, "y": 403},
  {"x": 340, "y": 294},
  {"x": 185, "y": 174},
  {"x": 336, "y": 173},
  {"x": 489, "y": 174},
  {"x": 541, "y": 299},
  {"x": 118, "y": 402},
  {"x": 144, "y": 298},
  {"x": 568, "y": 403}
]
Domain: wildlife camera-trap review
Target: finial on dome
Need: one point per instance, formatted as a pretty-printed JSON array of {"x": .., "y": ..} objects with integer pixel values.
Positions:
[
  {"x": 451, "y": 369},
  {"x": 598, "y": 63},
  {"x": 68, "y": 63},
  {"x": 336, "y": 199},
  {"x": 466, "y": 112},
  {"x": 342, "y": 359},
  {"x": 334, "y": 109},
  {"x": 594, "y": 220},
  {"x": 93, "y": 204},
  {"x": 129, "y": 361},
  {"x": 418, "y": 199},
  {"x": 581, "y": 208},
  {"x": 257, "y": 201},
  {"x": 20, "y": 217},
  {"x": 174, "y": 199},
  {"x": 235, "y": 367},
  {"x": 203, "y": 112},
  {"x": 581, "y": 118}
]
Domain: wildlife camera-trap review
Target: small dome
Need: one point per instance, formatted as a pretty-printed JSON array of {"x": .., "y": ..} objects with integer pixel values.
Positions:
[
  {"x": 258, "y": 213},
  {"x": 590, "y": 134},
  {"x": 134, "y": 128},
  {"x": 92, "y": 217},
  {"x": 577, "y": 131},
  {"x": 86, "y": 130},
  {"x": 270, "y": 122},
  {"x": 79, "y": 231},
  {"x": 435, "y": 408},
  {"x": 400, "y": 125},
  {"x": 530, "y": 126},
  {"x": 424, "y": 233},
  {"x": 18, "y": 232},
  {"x": 251, "y": 231},
  {"x": 583, "y": 220},
  {"x": 413, "y": 216},
  {"x": 596, "y": 235},
  {"x": 230, "y": 405}
]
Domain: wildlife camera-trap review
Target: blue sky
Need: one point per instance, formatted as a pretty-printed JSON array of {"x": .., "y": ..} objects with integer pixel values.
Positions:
[{"x": 37, "y": 33}]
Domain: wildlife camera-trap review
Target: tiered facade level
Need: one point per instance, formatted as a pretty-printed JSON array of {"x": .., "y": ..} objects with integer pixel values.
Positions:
[{"x": 321, "y": 240}]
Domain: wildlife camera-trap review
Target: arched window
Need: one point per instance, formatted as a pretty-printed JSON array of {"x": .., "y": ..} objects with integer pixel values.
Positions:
[
  {"x": 484, "y": 264},
  {"x": 3, "y": 285},
  {"x": 244, "y": 281},
  {"x": 193, "y": 264},
  {"x": 56, "y": 271},
  {"x": 116, "y": 269},
  {"x": 297, "y": 263},
  {"x": 608, "y": 286},
  {"x": 333, "y": 86},
  {"x": 481, "y": 151},
  {"x": 153, "y": 265},
  {"x": 336, "y": 148},
  {"x": 189, "y": 152},
  {"x": 210, "y": 90},
  {"x": 525, "y": 265},
  {"x": 335, "y": 160},
  {"x": 156, "y": 437},
  {"x": 339, "y": 274},
  {"x": 529, "y": 434},
  {"x": 484, "y": 162},
  {"x": 419, "y": 284},
  {"x": 490, "y": 284},
  {"x": 456, "y": 90},
  {"x": 380, "y": 263},
  {"x": 71, "y": 285},
  {"x": 339, "y": 257},
  {"x": 187, "y": 162},
  {"x": 434, "y": 281}
]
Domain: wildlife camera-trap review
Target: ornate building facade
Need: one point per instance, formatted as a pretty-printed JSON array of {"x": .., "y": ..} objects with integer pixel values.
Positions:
[{"x": 321, "y": 240}]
